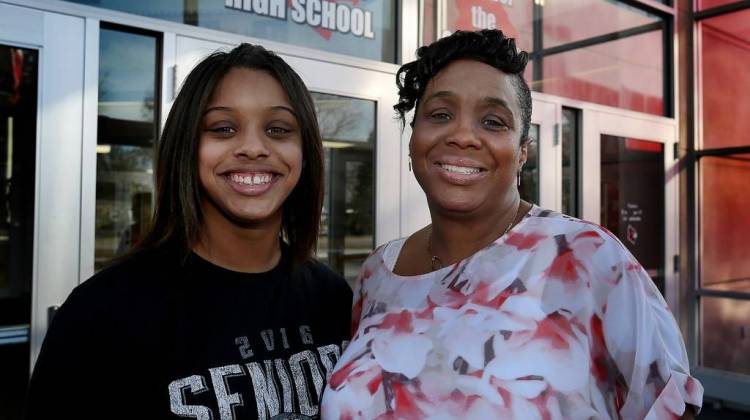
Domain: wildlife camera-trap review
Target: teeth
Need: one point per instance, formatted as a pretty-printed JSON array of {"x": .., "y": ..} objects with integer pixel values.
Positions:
[
  {"x": 463, "y": 170},
  {"x": 252, "y": 179}
]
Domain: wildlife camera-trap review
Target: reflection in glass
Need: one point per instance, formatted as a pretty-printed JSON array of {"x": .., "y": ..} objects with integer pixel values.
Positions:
[
  {"x": 600, "y": 51},
  {"x": 19, "y": 70},
  {"x": 515, "y": 19},
  {"x": 428, "y": 21},
  {"x": 365, "y": 29},
  {"x": 725, "y": 222},
  {"x": 627, "y": 73},
  {"x": 571, "y": 140},
  {"x": 347, "y": 126},
  {"x": 725, "y": 48},
  {"x": 125, "y": 144},
  {"x": 708, "y": 4},
  {"x": 570, "y": 21},
  {"x": 725, "y": 334},
  {"x": 632, "y": 199},
  {"x": 529, "y": 188}
]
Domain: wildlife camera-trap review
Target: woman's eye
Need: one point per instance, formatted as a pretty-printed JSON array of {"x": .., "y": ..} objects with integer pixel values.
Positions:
[
  {"x": 277, "y": 131},
  {"x": 225, "y": 130},
  {"x": 440, "y": 116},
  {"x": 493, "y": 123}
]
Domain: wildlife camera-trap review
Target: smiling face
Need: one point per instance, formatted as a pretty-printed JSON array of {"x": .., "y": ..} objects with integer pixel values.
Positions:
[
  {"x": 465, "y": 145},
  {"x": 250, "y": 152}
]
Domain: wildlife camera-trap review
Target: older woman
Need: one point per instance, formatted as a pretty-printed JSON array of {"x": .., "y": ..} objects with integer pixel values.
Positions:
[{"x": 500, "y": 309}]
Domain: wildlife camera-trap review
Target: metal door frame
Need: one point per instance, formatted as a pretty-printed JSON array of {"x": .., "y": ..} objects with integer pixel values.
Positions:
[{"x": 60, "y": 40}]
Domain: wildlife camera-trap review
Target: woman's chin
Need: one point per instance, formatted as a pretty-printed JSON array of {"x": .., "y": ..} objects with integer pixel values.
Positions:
[
  {"x": 253, "y": 218},
  {"x": 246, "y": 216},
  {"x": 456, "y": 205}
]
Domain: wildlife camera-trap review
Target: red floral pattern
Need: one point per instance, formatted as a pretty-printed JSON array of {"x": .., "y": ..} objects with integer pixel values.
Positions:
[{"x": 555, "y": 320}]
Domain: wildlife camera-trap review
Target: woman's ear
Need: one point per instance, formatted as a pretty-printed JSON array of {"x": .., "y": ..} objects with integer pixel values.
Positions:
[{"x": 523, "y": 152}]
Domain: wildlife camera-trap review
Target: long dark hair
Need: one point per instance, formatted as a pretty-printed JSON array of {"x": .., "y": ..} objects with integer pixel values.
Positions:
[{"x": 177, "y": 212}]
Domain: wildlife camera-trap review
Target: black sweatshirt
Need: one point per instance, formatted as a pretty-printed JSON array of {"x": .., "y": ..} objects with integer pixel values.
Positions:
[{"x": 160, "y": 336}]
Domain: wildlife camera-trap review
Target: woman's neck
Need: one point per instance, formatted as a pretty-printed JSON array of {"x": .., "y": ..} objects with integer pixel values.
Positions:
[
  {"x": 452, "y": 238},
  {"x": 248, "y": 249}
]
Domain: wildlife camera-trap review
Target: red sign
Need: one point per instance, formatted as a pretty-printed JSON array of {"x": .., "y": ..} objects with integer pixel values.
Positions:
[
  {"x": 472, "y": 15},
  {"x": 632, "y": 234}
]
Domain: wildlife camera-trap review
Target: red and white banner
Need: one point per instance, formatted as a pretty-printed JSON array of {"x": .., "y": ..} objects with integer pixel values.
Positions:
[{"x": 472, "y": 15}]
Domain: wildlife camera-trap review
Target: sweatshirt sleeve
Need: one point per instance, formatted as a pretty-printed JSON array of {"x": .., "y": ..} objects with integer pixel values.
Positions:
[
  {"x": 64, "y": 381},
  {"x": 645, "y": 343}
]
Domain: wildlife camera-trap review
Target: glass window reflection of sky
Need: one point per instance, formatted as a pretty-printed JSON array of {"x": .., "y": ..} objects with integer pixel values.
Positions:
[{"x": 126, "y": 91}]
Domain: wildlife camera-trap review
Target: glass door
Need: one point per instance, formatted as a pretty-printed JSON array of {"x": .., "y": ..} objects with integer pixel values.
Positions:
[
  {"x": 364, "y": 148},
  {"x": 347, "y": 126},
  {"x": 19, "y": 78},
  {"x": 41, "y": 68},
  {"x": 630, "y": 187}
]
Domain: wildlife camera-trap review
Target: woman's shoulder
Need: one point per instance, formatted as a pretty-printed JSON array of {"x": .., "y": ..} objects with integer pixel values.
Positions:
[
  {"x": 133, "y": 271},
  {"x": 323, "y": 277},
  {"x": 559, "y": 222},
  {"x": 552, "y": 223},
  {"x": 117, "y": 288},
  {"x": 563, "y": 232}
]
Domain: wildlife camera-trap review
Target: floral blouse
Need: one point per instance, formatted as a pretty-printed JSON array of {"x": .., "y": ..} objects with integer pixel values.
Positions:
[{"x": 554, "y": 320}]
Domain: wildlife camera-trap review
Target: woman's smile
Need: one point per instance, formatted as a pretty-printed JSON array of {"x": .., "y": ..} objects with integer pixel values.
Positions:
[
  {"x": 251, "y": 183},
  {"x": 459, "y": 174}
]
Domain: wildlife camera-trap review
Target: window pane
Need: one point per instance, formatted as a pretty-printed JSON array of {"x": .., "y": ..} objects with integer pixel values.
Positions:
[
  {"x": 626, "y": 73},
  {"x": 514, "y": 18},
  {"x": 19, "y": 71},
  {"x": 725, "y": 334},
  {"x": 632, "y": 199},
  {"x": 571, "y": 137},
  {"x": 529, "y": 188},
  {"x": 364, "y": 29},
  {"x": 708, "y": 4},
  {"x": 724, "y": 52},
  {"x": 428, "y": 22},
  {"x": 725, "y": 221},
  {"x": 347, "y": 232},
  {"x": 125, "y": 141},
  {"x": 569, "y": 21}
]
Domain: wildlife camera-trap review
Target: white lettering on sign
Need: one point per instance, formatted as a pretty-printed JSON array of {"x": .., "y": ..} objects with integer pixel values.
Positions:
[
  {"x": 272, "y": 8},
  {"x": 631, "y": 213},
  {"x": 481, "y": 19},
  {"x": 322, "y": 14},
  {"x": 342, "y": 19},
  {"x": 328, "y": 16},
  {"x": 313, "y": 12}
]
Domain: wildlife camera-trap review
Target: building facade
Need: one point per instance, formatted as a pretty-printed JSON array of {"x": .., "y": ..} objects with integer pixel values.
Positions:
[{"x": 638, "y": 122}]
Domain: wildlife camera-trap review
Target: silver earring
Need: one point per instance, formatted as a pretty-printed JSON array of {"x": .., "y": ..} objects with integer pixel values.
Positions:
[
  {"x": 519, "y": 178},
  {"x": 409, "y": 163}
]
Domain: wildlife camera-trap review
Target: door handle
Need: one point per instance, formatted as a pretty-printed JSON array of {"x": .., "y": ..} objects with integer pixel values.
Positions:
[{"x": 51, "y": 312}]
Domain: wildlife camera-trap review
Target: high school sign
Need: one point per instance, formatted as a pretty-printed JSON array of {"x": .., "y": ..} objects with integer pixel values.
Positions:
[{"x": 324, "y": 16}]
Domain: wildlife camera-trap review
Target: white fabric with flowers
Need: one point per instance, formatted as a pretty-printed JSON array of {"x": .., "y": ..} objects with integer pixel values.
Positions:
[{"x": 554, "y": 320}]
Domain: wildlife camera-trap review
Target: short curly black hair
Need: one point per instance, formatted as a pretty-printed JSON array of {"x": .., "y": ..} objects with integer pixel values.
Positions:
[{"x": 489, "y": 46}]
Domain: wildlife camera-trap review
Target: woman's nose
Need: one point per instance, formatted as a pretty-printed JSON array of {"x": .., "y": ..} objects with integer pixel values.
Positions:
[
  {"x": 252, "y": 145},
  {"x": 463, "y": 133}
]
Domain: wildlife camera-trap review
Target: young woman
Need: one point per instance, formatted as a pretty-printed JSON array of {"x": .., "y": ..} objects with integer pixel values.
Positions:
[
  {"x": 221, "y": 312},
  {"x": 499, "y": 309}
]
